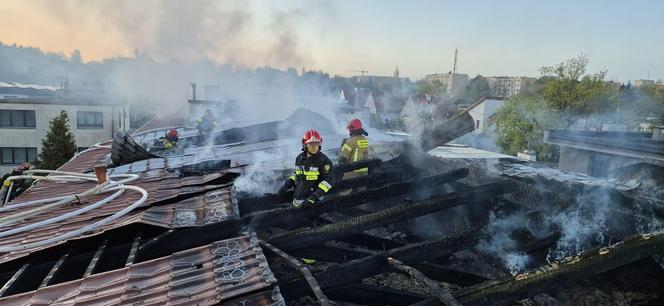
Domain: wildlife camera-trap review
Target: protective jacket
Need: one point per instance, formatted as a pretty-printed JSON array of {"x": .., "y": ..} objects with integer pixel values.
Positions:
[
  {"x": 355, "y": 148},
  {"x": 312, "y": 177}
]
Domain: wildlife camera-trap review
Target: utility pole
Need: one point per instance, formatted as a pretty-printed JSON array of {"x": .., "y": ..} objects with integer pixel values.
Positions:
[{"x": 455, "y": 61}]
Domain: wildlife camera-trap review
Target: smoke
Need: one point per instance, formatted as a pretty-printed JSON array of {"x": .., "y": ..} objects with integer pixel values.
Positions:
[
  {"x": 583, "y": 225},
  {"x": 270, "y": 167},
  {"x": 168, "y": 44},
  {"x": 259, "y": 178},
  {"x": 231, "y": 32},
  {"x": 501, "y": 244},
  {"x": 594, "y": 216}
]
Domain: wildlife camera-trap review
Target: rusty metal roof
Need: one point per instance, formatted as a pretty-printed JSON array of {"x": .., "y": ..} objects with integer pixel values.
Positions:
[
  {"x": 217, "y": 203},
  {"x": 229, "y": 270}
]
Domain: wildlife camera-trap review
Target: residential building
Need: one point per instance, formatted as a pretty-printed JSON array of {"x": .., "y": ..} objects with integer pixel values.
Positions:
[
  {"x": 456, "y": 83},
  {"x": 418, "y": 107},
  {"x": 599, "y": 154},
  {"x": 482, "y": 111},
  {"x": 25, "y": 118},
  {"x": 385, "y": 107},
  {"x": 640, "y": 83},
  {"x": 505, "y": 86}
]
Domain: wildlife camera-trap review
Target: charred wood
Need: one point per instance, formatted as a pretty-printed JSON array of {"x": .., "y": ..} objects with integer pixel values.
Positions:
[
  {"x": 356, "y": 270},
  {"x": 300, "y": 239},
  {"x": 582, "y": 266},
  {"x": 447, "y": 131},
  {"x": 313, "y": 284},
  {"x": 440, "y": 293},
  {"x": 372, "y": 295},
  {"x": 270, "y": 217}
]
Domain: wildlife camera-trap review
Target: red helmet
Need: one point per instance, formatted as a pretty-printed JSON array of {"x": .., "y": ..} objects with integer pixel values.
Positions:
[
  {"x": 172, "y": 133},
  {"x": 312, "y": 136},
  {"x": 354, "y": 125}
]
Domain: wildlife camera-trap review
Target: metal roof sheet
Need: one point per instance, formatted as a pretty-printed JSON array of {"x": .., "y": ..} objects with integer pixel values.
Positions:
[{"x": 228, "y": 270}]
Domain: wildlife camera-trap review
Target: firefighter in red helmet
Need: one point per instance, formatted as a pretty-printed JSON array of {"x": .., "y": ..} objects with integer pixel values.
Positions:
[
  {"x": 312, "y": 178},
  {"x": 355, "y": 148},
  {"x": 171, "y": 139}
]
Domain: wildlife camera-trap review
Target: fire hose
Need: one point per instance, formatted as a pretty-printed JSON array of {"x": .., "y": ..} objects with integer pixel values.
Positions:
[{"x": 117, "y": 187}]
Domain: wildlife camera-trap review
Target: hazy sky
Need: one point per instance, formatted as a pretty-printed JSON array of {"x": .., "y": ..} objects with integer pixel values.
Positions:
[{"x": 493, "y": 37}]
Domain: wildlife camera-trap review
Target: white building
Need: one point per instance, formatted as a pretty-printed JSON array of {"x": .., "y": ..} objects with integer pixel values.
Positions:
[
  {"x": 456, "y": 82},
  {"x": 24, "y": 122},
  {"x": 482, "y": 110},
  {"x": 641, "y": 83},
  {"x": 505, "y": 87}
]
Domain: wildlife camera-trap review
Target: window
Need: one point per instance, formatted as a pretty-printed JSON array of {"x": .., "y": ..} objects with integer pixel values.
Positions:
[
  {"x": 10, "y": 118},
  {"x": 14, "y": 156},
  {"x": 477, "y": 124},
  {"x": 89, "y": 120}
]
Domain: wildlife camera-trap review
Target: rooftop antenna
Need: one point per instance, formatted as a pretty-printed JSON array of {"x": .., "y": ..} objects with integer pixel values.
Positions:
[{"x": 455, "y": 61}]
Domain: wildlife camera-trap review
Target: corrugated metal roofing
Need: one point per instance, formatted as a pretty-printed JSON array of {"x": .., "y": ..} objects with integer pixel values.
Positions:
[
  {"x": 217, "y": 204},
  {"x": 233, "y": 270}
]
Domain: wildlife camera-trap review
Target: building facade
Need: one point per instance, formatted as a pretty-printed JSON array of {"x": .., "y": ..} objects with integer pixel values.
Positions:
[
  {"x": 456, "y": 83},
  {"x": 505, "y": 87},
  {"x": 641, "y": 83},
  {"x": 482, "y": 111},
  {"x": 24, "y": 123},
  {"x": 601, "y": 154}
]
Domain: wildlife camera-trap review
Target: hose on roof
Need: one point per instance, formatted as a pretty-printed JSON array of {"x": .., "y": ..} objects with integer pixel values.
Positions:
[{"x": 113, "y": 188}]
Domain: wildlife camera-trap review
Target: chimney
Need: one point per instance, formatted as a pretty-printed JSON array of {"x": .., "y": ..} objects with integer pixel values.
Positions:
[
  {"x": 100, "y": 172},
  {"x": 193, "y": 91}
]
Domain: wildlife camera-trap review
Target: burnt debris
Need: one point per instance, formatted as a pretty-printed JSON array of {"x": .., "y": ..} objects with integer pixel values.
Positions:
[{"x": 417, "y": 229}]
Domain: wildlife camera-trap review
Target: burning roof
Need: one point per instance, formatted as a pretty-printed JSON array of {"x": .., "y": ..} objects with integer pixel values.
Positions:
[{"x": 490, "y": 227}]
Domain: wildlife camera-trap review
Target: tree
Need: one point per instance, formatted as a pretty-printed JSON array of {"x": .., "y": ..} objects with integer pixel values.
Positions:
[
  {"x": 434, "y": 88},
  {"x": 76, "y": 57},
  {"x": 520, "y": 125},
  {"x": 477, "y": 87},
  {"x": 58, "y": 146},
  {"x": 575, "y": 94},
  {"x": 647, "y": 103}
]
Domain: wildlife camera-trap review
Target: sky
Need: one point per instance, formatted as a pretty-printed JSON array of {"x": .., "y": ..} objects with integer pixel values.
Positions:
[{"x": 344, "y": 36}]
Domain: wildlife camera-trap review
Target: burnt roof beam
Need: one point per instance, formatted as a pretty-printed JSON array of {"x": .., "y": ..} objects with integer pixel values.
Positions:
[
  {"x": 582, "y": 266},
  {"x": 95, "y": 259},
  {"x": 364, "y": 294},
  {"x": 56, "y": 268},
  {"x": 442, "y": 294},
  {"x": 8, "y": 286},
  {"x": 274, "y": 216},
  {"x": 300, "y": 239},
  {"x": 133, "y": 249},
  {"x": 356, "y": 270},
  {"x": 311, "y": 280}
]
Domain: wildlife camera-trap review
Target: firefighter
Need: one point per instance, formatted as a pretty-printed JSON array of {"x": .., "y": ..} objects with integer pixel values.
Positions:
[
  {"x": 355, "y": 148},
  {"x": 171, "y": 139},
  {"x": 206, "y": 123},
  {"x": 312, "y": 178},
  {"x": 19, "y": 186}
]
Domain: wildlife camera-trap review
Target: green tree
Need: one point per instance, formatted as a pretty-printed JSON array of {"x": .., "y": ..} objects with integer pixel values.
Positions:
[
  {"x": 58, "y": 146},
  {"x": 520, "y": 125},
  {"x": 654, "y": 95},
  {"x": 477, "y": 87},
  {"x": 573, "y": 93},
  {"x": 434, "y": 88}
]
